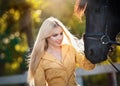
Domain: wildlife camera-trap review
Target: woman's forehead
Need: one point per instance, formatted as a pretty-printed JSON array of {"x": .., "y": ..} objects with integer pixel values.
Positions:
[{"x": 58, "y": 29}]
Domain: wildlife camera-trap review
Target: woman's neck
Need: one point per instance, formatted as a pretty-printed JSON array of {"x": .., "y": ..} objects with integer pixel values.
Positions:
[
  {"x": 54, "y": 49},
  {"x": 56, "y": 52}
]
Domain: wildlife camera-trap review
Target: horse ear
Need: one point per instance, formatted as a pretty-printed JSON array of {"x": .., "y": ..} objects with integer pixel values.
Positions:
[{"x": 79, "y": 8}]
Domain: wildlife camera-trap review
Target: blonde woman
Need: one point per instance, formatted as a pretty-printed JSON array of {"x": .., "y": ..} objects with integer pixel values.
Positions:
[{"x": 55, "y": 55}]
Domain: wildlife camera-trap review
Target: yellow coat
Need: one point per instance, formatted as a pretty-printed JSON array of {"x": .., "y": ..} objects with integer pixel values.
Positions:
[{"x": 57, "y": 73}]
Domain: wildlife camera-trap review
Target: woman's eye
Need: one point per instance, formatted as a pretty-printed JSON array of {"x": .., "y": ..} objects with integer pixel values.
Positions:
[
  {"x": 54, "y": 35},
  {"x": 61, "y": 33}
]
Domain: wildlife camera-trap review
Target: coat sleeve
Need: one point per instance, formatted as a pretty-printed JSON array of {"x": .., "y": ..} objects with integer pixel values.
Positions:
[
  {"x": 39, "y": 78},
  {"x": 83, "y": 62}
]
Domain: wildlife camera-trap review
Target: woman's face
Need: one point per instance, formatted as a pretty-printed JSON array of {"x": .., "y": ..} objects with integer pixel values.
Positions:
[{"x": 56, "y": 38}]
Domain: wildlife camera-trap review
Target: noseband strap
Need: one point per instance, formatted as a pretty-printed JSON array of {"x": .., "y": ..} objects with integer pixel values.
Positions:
[{"x": 104, "y": 39}]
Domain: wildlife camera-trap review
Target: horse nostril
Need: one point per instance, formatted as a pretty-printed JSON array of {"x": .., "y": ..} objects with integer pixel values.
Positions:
[{"x": 91, "y": 52}]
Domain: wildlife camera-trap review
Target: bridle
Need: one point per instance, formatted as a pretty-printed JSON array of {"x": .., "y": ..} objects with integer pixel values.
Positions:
[{"x": 104, "y": 40}]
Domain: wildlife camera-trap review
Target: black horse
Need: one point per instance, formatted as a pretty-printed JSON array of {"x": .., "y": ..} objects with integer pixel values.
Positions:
[{"x": 102, "y": 26}]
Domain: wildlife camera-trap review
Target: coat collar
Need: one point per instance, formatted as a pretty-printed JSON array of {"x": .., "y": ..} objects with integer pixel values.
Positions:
[
  {"x": 50, "y": 57},
  {"x": 64, "y": 50}
]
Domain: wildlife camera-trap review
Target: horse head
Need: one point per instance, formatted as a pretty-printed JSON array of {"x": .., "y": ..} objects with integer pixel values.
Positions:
[{"x": 102, "y": 26}]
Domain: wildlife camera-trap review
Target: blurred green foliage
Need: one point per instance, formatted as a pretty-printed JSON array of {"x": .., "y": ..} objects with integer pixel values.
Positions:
[{"x": 16, "y": 36}]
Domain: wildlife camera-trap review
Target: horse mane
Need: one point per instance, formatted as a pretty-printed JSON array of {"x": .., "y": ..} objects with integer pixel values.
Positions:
[{"x": 79, "y": 8}]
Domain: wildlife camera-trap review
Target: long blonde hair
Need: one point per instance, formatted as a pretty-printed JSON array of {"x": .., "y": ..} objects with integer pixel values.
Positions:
[{"x": 40, "y": 44}]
